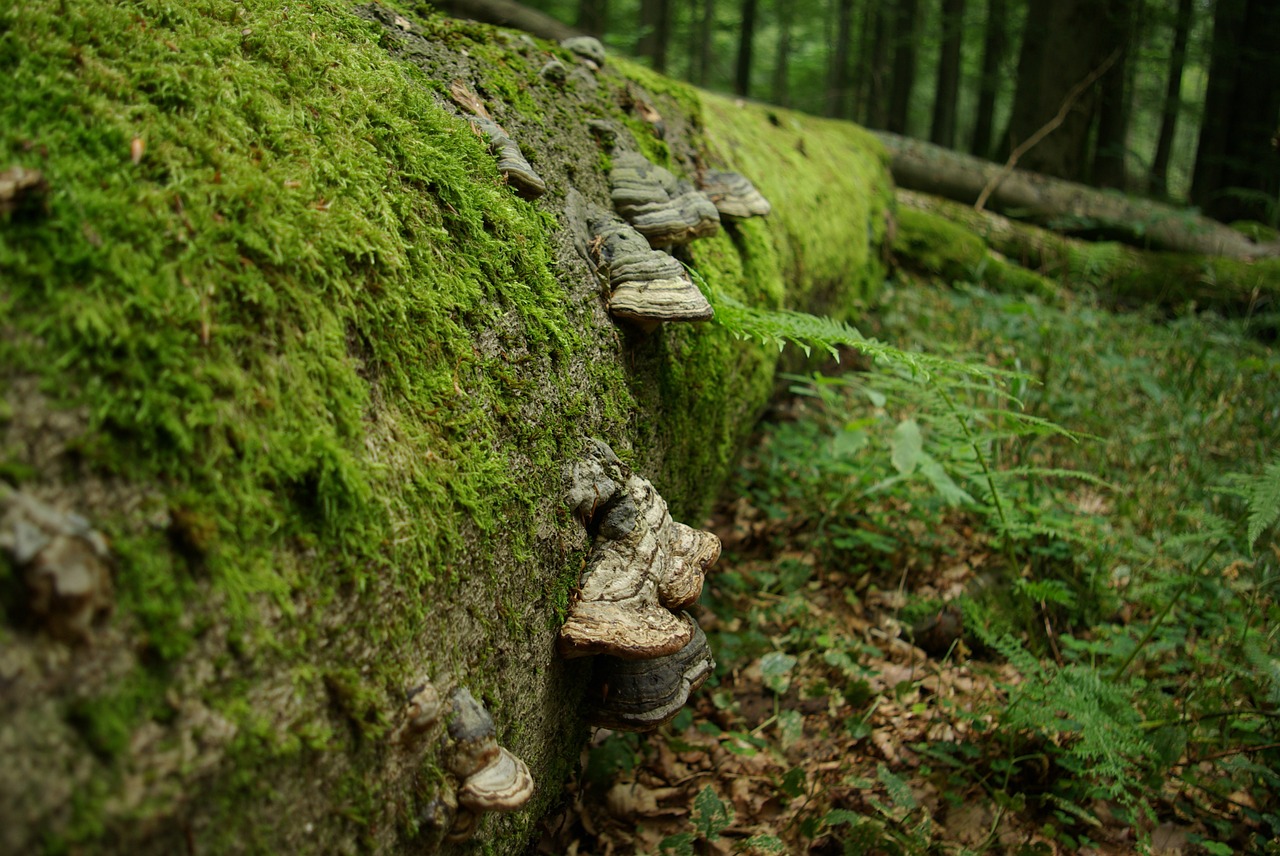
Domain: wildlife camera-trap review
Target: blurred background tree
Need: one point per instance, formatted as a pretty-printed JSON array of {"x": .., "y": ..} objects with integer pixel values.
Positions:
[{"x": 1176, "y": 99}]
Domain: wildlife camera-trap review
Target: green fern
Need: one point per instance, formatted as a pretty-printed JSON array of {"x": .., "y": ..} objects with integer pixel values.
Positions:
[
  {"x": 780, "y": 327},
  {"x": 1263, "y": 495},
  {"x": 1102, "y": 730}
]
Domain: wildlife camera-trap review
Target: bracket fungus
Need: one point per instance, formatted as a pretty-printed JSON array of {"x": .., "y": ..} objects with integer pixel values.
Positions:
[
  {"x": 588, "y": 48},
  {"x": 659, "y": 206},
  {"x": 511, "y": 161},
  {"x": 640, "y": 695},
  {"x": 490, "y": 777},
  {"x": 733, "y": 194},
  {"x": 646, "y": 286},
  {"x": 642, "y": 566},
  {"x": 64, "y": 563}
]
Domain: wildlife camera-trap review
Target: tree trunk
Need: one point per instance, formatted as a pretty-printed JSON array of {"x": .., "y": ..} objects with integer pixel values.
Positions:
[
  {"x": 1064, "y": 44},
  {"x": 863, "y": 63},
  {"x": 314, "y": 394},
  {"x": 943, "y": 128},
  {"x": 1158, "y": 179},
  {"x": 655, "y": 32},
  {"x": 706, "y": 30},
  {"x": 1114, "y": 99},
  {"x": 782, "y": 56},
  {"x": 506, "y": 13},
  {"x": 1237, "y": 172},
  {"x": 593, "y": 17},
  {"x": 742, "y": 77},
  {"x": 994, "y": 48},
  {"x": 878, "y": 86},
  {"x": 838, "y": 105},
  {"x": 917, "y": 165},
  {"x": 904, "y": 64}
]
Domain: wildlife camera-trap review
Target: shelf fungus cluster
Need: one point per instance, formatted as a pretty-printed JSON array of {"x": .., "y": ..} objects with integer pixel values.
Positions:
[
  {"x": 667, "y": 211},
  {"x": 488, "y": 776},
  {"x": 646, "y": 286},
  {"x": 64, "y": 563},
  {"x": 644, "y": 570}
]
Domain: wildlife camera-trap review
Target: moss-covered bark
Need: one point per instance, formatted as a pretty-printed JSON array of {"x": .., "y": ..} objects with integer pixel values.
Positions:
[{"x": 282, "y": 333}]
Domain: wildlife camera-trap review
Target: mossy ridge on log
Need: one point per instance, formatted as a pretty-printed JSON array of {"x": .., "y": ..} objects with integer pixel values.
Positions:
[{"x": 285, "y": 336}]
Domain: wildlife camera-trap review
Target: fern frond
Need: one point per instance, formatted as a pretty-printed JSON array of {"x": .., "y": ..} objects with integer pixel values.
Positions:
[{"x": 1263, "y": 494}]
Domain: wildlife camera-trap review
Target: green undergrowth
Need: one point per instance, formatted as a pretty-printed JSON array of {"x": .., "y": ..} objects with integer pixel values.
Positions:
[{"x": 1113, "y": 481}]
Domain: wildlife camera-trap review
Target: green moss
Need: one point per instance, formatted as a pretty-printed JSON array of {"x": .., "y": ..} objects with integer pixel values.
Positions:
[
  {"x": 934, "y": 245},
  {"x": 822, "y": 178},
  {"x": 227, "y": 307}
]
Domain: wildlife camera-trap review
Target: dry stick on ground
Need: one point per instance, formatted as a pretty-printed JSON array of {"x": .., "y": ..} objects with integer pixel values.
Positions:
[{"x": 1046, "y": 129}]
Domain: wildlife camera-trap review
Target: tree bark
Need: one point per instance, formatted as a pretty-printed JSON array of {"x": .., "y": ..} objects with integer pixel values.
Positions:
[
  {"x": 877, "y": 115},
  {"x": 1063, "y": 43},
  {"x": 782, "y": 56},
  {"x": 593, "y": 17},
  {"x": 1112, "y": 145},
  {"x": 1158, "y": 178},
  {"x": 655, "y": 32},
  {"x": 917, "y": 165},
  {"x": 942, "y": 130},
  {"x": 904, "y": 65},
  {"x": 1237, "y": 172},
  {"x": 505, "y": 13},
  {"x": 706, "y": 31},
  {"x": 838, "y": 105},
  {"x": 994, "y": 48},
  {"x": 746, "y": 39}
]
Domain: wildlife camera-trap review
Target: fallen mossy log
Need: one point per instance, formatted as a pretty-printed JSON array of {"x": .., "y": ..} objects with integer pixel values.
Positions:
[
  {"x": 921, "y": 166},
  {"x": 939, "y": 236}
]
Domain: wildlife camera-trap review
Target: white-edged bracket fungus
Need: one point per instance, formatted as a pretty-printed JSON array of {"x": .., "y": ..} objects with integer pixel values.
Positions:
[
  {"x": 642, "y": 567},
  {"x": 733, "y": 194},
  {"x": 490, "y": 777},
  {"x": 659, "y": 206},
  {"x": 646, "y": 286},
  {"x": 64, "y": 563},
  {"x": 640, "y": 695}
]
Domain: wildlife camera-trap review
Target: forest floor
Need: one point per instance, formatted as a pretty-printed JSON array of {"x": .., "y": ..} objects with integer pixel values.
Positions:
[{"x": 916, "y": 657}]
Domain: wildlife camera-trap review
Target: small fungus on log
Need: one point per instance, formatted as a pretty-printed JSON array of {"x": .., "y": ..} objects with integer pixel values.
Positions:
[
  {"x": 23, "y": 190},
  {"x": 490, "y": 777},
  {"x": 511, "y": 161},
  {"x": 587, "y": 48},
  {"x": 64, "y": 564},
  {"x": 734, "y": 196}
]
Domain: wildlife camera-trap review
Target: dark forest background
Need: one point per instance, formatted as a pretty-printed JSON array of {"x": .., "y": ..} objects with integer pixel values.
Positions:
[{"x": 1177, "y": 100}]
